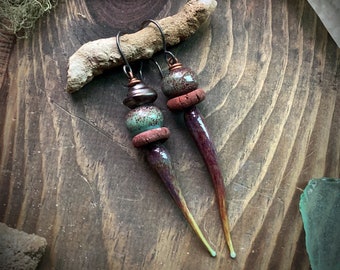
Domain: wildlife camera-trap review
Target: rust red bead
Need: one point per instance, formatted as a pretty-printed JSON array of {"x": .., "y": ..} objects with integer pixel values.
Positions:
[
  {"x": 181, "y": 87},
  {"x": 150, "y": 136},
  {"x": 187, "y": 100}
]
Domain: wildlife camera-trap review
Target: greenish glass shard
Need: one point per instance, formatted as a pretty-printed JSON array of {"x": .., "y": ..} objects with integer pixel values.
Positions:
[{"x": 320, "y": 210}]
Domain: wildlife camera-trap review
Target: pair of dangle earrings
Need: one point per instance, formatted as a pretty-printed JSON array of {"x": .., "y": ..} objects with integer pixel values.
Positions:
[{"x": 145, "y": 123}]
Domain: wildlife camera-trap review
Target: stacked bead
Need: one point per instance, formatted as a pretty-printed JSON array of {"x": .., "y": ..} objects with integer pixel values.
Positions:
[
  {"x": 144, "y": 121},
  {"x": 181, "y": 86}
]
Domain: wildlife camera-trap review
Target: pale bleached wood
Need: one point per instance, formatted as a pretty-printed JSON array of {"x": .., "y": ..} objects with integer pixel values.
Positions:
[{"x": 96, "y": 56}]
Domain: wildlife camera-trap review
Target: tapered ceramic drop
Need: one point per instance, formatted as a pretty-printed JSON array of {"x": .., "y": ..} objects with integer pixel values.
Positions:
[
  {"x": 196, "y": 126},
  {"x": 159, "y": 159},
  {"x": 180, "y": 85}
]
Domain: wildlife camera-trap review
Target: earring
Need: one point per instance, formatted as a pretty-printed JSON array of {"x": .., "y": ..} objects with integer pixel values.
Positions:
[
  {"x": 181, "y": 87},
  {"x": 144, "y": 122}
]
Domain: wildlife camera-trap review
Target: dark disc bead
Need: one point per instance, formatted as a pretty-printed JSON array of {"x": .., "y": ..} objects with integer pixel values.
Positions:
[
  {"x": 139, "y": 94},
  {"x": 179, "y": 81}
]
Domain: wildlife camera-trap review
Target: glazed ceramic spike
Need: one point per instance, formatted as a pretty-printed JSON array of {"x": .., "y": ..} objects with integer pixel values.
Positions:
[
  {"x": 181, "y": 87},
  {"x": 159, "y": 159},
  {"x": 197, "y": 128}
]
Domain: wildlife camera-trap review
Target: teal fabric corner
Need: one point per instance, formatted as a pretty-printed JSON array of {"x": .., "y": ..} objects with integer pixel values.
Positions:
[{"x": 320, "y": 211}]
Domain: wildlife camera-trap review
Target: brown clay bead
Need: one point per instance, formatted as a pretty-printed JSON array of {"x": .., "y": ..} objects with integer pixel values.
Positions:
[
  {"x": 150, "y": 136},
  {"x": 187, "y": 100},
  {"x": 179, "y": 81}
]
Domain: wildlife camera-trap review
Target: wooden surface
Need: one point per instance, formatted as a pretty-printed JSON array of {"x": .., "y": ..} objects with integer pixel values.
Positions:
[{"x": 69, "y": 172}]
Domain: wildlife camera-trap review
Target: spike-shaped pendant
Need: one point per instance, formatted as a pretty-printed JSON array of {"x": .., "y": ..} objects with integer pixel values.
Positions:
[
  {"x": 145, "y": 122},
  {"x": 196, "y": 126},
  {"x": 159, "y": 159},
  {"x": 181, "y": 86}
]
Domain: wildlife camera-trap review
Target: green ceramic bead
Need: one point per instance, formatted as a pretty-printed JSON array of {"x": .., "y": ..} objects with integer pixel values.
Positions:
[{"x": 144, "y": 118}]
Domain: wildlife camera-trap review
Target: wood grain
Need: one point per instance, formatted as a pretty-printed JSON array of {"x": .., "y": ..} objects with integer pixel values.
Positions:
[{"x": 69, "y": 172}]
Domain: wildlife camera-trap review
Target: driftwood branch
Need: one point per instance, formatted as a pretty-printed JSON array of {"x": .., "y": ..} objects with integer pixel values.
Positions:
[{"x": 96, "y": 56}]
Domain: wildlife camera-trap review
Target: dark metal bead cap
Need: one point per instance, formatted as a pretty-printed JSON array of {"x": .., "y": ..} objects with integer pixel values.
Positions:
[{"x": 139, "y": 94}]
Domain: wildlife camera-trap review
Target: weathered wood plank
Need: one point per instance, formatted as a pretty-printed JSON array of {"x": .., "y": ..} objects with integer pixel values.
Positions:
[{"x": 70, "y": 174}]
